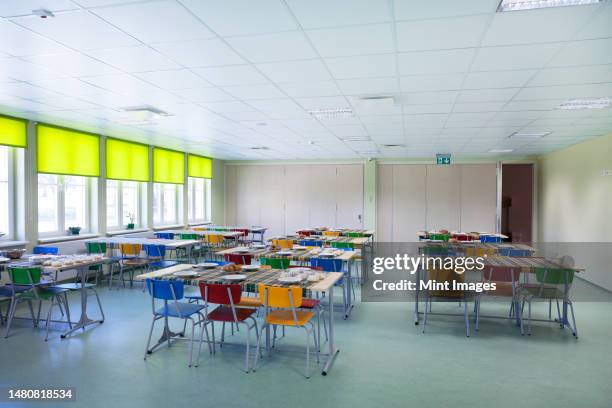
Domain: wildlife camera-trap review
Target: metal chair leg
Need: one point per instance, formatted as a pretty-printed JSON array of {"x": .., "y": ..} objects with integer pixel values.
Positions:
[{"x": 149, "y": 339}]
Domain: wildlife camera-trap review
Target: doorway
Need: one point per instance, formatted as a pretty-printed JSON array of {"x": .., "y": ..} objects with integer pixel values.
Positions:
[{"x": 517, "y": 202}]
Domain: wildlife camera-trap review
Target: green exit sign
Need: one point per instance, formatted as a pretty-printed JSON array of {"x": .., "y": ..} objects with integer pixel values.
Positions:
[{"x": 443, "y": 159}]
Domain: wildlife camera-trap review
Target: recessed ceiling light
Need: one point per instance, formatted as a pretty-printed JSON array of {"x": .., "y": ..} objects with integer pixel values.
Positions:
[
  {"x": 517, "y": 5},
  {"x": 528, "y": 135},
  {"x": 356, "y": 139},
  {"x": 259, "y": 148},
  {"x": 393, "y": 145},
  {"x": 142, "y": 115},
  {"x": 501, "y": 150},
  {"x": 331, "y": 113},
  {"x": 594, "y": 103}
]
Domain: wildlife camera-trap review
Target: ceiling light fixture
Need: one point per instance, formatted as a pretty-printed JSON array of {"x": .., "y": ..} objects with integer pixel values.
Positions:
[
  {"x": 259, "y": 148},
  {"x": 393, "y": 145},
  {"x": 356, "y": 139},
  {"x": 518, "y": 5},
  {"x": 43, "y": 13},
  {"x": 142, "y": 115},
  {"x": 331, "y": 113},
  {"x": 501, "y": 150},
  {"x": 594, "y": 103},
  {"x": 368, "y": 152},
  {"x": 528, "y": 135}
]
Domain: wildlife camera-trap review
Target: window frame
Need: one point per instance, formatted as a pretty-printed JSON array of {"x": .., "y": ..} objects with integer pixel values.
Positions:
[
  {"x": 178, "y": 203},
  {"x": 120, "y": 216},
  {"x": 62, "y": 228},
  {"x": 191, "y": 197},
  {"x": 11, "y": 188}
]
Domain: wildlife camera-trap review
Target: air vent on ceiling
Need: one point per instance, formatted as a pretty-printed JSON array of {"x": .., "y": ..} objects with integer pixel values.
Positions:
[
  {"x": 331, "y": 113},
  {"x": 391, "y": 145},
  {"x": 142, "y": 115},
  {"x": 594, "y": 103},
  {"x": 528, "y": 135},
  {"x": 375, "y": 102},
  {"x": 518, "y": 5},
  {"x": 259, "y": 148}
]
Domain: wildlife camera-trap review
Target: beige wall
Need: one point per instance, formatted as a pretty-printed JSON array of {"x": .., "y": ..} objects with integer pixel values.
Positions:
[{"x": 575, "y": 202}]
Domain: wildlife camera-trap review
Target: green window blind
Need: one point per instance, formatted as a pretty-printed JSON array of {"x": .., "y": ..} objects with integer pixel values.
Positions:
[
  {"x": 198, "y": 166},
  {"x": 168, "y": 166},
  {"x": 65, "y": 151},
  {"x": 126, "y": 160},
  {"x": 13, "y": 132}
]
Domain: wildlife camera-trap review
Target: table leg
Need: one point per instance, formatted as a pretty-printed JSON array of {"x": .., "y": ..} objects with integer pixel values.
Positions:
[
  {"x": 84, "y": 320},
  {"x": 333, "y": 351},
  {"x": 416, "y": 296}
]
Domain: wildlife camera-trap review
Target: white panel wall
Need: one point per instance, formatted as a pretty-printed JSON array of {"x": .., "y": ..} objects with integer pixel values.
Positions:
[
  {"x": 414, "y": 197},
  {"x": 285, "y": 198}
]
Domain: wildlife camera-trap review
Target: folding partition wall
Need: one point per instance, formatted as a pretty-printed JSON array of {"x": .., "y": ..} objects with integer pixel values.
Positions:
[
  {"x": 285, "y": 198},
  {"x": 415, "y": 197}
]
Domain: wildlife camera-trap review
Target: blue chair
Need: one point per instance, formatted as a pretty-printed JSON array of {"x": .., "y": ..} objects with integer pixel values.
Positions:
[
  {"x": 43, "y": 250},
  {"x": 164, "y": 235},
  {"x": 333, "y": 265},
  {"x": 157, "y": 254},
  {"x": 170, "y": 292},
  {"x": 311, "y": 243}
]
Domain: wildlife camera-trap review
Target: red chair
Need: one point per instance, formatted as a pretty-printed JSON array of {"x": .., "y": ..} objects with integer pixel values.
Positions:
[
  {"x": 238, "y": 259},
  {"x": 227, "y": 297},
  {"x": 304, "y": 233}
]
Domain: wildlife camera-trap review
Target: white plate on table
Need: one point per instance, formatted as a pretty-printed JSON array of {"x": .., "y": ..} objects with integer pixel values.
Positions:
[
  {"x": 290, "y": 279},
  {"x": 234, "y": 277},
  {"x": 250, "y": 268},
  {"x": 284, "y": 253},
  {"x": 184, "y": 274},
  {"x": 259, "y": 246},
  {"x": 3, "y": 259},
  {"x": 207, "y": 265}
]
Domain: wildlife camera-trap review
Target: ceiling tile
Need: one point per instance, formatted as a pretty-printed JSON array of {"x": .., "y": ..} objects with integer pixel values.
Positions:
[
  {"x": 536, "y": 26},
  {"x": 355, "y": 40},
  {"x": 310, "y": 88},
  {"x": 425, "y": 98},
  {"x": 279, "y": 108},
  {"x": 566, "y": 92},
  {"x": 23, "y": 42},
  {"x": 498, "y": 79},
  {"x": 12, "y": 8},
  {"x": 206, "y": 94},
  {"x": 149, "y": 21},
  {"x": 362, "y": 66},
  {"x": 324, "y": 102},
  {"x": 415, "y": 10},
  {"x": 227, "y": 107},
  {"x": 284, "y": 46},
  {"x": 514, "y": 57},
  {"x": 122, "y": 84},
  {"x": 427, "y": 109},
  {"x": 324, "y": 13},
  {"x": 478, "y": 107},
  {"x": 70, "y": 86},
  {"x": 435, "y": 62},
  {"x": 247, "y": 92},
  {"x": 72, "y": 64},
  {"x": 420, "y": 83},
  {"x": 199, "y": 53},
  {"x": 14, "y": 68},
  {"x": 295, "y": 71},
  {"x": 587, "y": 52},
  {"x": 174, "y": 79},
  {"x": 241, "y": 19},
  {"x": 460, "y": 32},
  {"x": 599, "y": 26},
  {"x": 79, "y": 30},
  {"x": 134, "y": 59},
  {"x": 487, "y": 95},
  {"x": 368, "y": 86},
  {"x": 231, "y": 76},
  {"x": 573, "y": 75}
]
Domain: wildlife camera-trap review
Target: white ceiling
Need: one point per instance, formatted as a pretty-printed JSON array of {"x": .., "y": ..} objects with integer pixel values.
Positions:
[{"x": 236, "y": 74}]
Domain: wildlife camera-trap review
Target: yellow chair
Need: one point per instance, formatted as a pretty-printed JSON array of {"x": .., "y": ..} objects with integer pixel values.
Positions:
[
  {"x": 215, "y": 239},
  {"x": 282, "y": 243},
  {"x": 286, "y": 301},
  {"x": 130, "y": 259},
  {"x": 331, "y": 233},
  {"x": 199, "y": 229}
]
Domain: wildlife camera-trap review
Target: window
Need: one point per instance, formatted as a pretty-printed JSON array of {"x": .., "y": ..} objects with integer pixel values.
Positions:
[
  {"x": 6, "y": 192},
  {"x": 63, "y": 202},
  {"x": 167, "y": 200},
  {"x": 123, "y": 204},
  {"x": 199, "y": 199}
]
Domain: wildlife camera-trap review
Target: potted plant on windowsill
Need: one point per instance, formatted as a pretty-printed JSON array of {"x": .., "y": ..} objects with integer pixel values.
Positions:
[
  {"x": 74, "y": 230},
  {"x": 132, "y": 218}
]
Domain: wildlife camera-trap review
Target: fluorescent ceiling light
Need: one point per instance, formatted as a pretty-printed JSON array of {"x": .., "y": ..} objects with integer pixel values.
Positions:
[
  {"x": 259, "y": 148},
  {"x": 390, "y": 145},
  {"x": 528, "y": 135},
  {"x": 331, "y": 113},
  {"x": 141, "y": 115},
  {"x": 595, "y": 103},
  {"x": 517, "y": 5},
  {"x": 356, "y": 139},
  {"x": 501, "y": 150},
  {"x": 368, "y": 152}
]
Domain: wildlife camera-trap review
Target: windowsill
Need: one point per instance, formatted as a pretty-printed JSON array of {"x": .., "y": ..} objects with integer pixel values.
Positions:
[
  {"x": 66, "y": 238},
  {"x": 197, "y": 224},
  {"x": 11, "y": 244},
  {"x": 126, "y": 232},
  {"x": 168, "y": 227}
]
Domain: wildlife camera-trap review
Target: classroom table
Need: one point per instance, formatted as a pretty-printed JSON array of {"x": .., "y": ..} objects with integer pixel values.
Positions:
[
  {"x": 204, "y": 233},
  {"x": 523, "y": 265},
  {"x": 472, "y": 248},
  {"x": 358, "y": 242},
  {"x": 253, "y": 279},
  {"x": 253, "y": 230},
  {"x": 343, "y": 231},
  {"x": 171, "y": 244}
]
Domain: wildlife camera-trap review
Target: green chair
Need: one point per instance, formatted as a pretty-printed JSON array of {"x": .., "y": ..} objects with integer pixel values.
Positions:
[
  {"x": 343, "y": 245},
  {"x": 275, "y": 263},
  {"x": 551, "y": 284},
  {"x": 196, "y": 250},
  {"x": 355, "y": 235},
  {"x": 27, "y": 287}
]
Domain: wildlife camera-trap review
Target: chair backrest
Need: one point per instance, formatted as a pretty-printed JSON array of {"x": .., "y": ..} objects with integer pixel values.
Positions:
[
  {"x": 437, "y": 236},
  {"x": 221, "y": 294},
  {"x": 20, "y": 275},
  {"x": 280, "y": 297},
  {"x": 355, "y": 234},
  {"x": 155, "y": 251},
  {"x": 96, "y": 247},
  {"x": 331, "y": 233},
  {"x": 188, "y": 236},
  {"x": 131, "y": 249},
  {"x": 304, "y": 233},
  {"x": 215, "y": 239},
  {"x": 343, "y": 245},
  {"x": 239, "y": 259},
  {"x": 501, "y": 274},
  {"x": 555, "y": 276},
  {"x": 282, "y": 243},
  {"x": 164, "y": 235},
  {"x": 275, "y": 263},
  {"x": 165, "y": 290},
  {"x": 328, "y": 265},
  {"x": 490, "y": 238},
  {"x": 44, "y": 250},
  {"x": 311, "y": 243}
]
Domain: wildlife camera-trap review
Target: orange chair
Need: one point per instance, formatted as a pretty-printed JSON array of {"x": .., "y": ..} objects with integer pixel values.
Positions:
[
  {"x": 282, "y": 243},
  {"x": 215, "y": 239},
  {"x": 286, "y": 302},
  {"x": 331, "y": 233},
  {"x": 131, "y": 260}
]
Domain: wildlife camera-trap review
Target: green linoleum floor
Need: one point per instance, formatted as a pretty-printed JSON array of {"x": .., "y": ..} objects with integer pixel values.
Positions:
[{"x": 385, "y": 360}]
